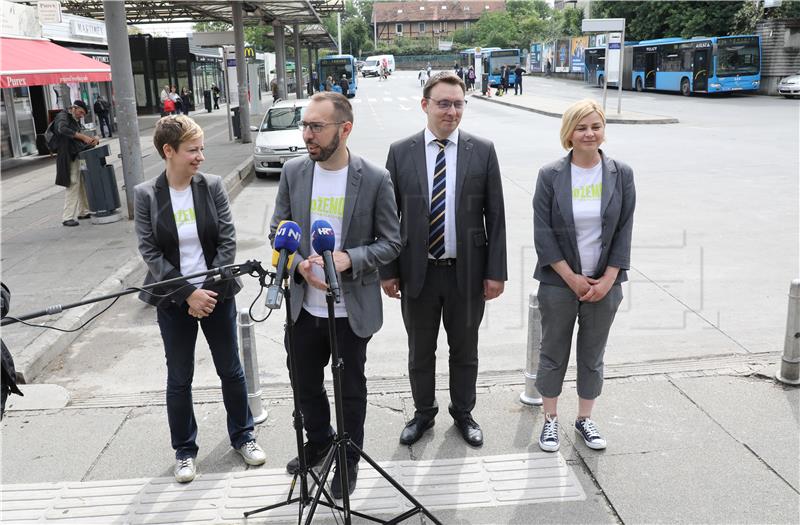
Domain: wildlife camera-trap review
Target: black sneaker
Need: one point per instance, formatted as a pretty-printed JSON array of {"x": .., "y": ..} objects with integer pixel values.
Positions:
[
  {"x": 591, "y": 436},
  {"x": 71, "y": 222},
  {"x": 548, "y": 439},
  {"x": 314, "y": 452},
  {"x": 336, "y": 482}
]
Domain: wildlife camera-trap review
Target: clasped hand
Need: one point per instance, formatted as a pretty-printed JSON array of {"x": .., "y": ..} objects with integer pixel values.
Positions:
[
  {"x": 341, "y": 260},
  {"x": 591, "y": 290},
  {"x": 201, "y": 303}
]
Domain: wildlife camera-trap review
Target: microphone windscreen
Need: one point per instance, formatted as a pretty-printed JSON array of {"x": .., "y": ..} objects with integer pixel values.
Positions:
[
  {"x": 322, "y": 237},
  {"x": 287, "y": 237}
]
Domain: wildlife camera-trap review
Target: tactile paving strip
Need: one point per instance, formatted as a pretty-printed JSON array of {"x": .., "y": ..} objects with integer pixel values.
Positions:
[{"x": 222, "y": 498}]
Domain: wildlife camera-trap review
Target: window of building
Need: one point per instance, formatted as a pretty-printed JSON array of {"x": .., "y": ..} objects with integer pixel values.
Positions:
[
  {"x": 466, "y": 24},
  {"x": 398, "y": 28},
  {"x": 422, "y": 27},
  {"x": 443, "y": 27}
]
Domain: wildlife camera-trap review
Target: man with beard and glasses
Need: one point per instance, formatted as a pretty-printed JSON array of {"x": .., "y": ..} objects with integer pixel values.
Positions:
[{"x": 356, "y": 197}]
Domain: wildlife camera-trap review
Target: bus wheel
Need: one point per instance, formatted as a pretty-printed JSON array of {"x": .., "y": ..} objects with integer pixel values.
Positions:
[
  {"x": 685, "y": 89},
  {"x": 600, "y": 81},
  {"x": 639, "y": 86}
]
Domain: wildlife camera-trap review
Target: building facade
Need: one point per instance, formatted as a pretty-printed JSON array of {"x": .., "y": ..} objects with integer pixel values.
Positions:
[{"x": 428, "y": 19}]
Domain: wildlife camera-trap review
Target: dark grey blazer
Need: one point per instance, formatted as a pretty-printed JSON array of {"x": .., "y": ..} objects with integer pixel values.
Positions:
[
  {"x": 370, "y": 234},
  {"x": 480, "y": 214},
  {"x": 158, "y": 235},
  {"x": 554, "y": 226}
]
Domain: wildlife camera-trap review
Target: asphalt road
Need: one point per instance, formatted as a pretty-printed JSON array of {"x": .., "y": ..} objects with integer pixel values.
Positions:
[{"x": 715, "y": 238}]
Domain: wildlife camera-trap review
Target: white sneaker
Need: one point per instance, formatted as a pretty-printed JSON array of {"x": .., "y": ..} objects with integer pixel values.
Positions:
[
  {"x": 548, "y": 439},
  {"x": 185, "y": 470},
  {"x": 591, "y": 436},
  {"x": 252, "y": 453}
]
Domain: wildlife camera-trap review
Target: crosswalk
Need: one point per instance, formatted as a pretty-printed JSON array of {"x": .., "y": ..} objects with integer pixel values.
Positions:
[{"x": 386, "y": 100}]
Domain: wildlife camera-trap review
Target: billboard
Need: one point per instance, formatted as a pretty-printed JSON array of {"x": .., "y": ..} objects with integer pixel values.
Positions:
[
  {"x": 535, "y": 60},
  {"x": 562, "y": 54},
  {"x": 577, "y": 47}
]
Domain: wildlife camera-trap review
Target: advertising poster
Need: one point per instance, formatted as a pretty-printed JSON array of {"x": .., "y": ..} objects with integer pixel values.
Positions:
[
  {"x": 562, "y": 54},
  {"x": 548, "y": 55},
  {"x": 535, "y": 62},
  {"x": 577, "y": 47}
]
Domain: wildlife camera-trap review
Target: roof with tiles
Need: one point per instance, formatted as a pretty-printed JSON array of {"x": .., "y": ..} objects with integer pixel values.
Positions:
[{"x": 434, "y": 10}]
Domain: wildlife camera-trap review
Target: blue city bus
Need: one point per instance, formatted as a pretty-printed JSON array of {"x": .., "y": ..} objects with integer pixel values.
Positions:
[
  {"x": 335, "y": 66},
  {"x": 697, "y": 65},
  {"x": 492, "y": 58}
]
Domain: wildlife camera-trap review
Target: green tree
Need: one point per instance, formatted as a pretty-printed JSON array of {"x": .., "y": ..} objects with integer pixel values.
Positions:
[{"x": 355, "y": 32}]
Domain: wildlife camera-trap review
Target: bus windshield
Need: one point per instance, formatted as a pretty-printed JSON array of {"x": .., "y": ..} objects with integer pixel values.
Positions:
[
  {"x": 335, "y": 68},
  {"x": 738, "y": 56},
  {"x": 283, "y": 118}
]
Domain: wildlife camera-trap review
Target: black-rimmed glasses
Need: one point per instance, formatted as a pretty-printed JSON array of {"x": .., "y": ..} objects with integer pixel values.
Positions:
[{"x": 317, "y": 127}]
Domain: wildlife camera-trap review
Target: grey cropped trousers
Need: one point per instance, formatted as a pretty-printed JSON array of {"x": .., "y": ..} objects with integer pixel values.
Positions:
[{"x": 560, "y": 308}]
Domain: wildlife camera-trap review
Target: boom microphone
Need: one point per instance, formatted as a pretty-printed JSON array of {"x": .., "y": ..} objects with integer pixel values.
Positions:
[
  {"x": 324, "y": 240},
  {"x": 287, "y": 240}
]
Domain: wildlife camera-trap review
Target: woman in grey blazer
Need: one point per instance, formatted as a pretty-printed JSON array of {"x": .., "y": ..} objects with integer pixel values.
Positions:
[
  {"x": 184, "y": 226},
  {"x": 582, "y": 223}
]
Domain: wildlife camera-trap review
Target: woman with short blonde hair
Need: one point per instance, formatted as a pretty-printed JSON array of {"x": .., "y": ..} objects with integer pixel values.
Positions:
[{"x": 582, "y": 223}]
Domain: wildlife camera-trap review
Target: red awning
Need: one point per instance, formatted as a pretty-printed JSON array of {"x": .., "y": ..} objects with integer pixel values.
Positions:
[{"x": 25, "y": 62}]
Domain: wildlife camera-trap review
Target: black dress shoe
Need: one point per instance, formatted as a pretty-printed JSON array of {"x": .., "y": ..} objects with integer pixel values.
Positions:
[
  {"x": 336, "y": 482},
  {"x": 84, "y": 217},
  {"x": 414, "y": 430},
  {"x": 71, "y": 222},
  {"x": 470, "y": 431},
  {"x": 314, "y": 452}
]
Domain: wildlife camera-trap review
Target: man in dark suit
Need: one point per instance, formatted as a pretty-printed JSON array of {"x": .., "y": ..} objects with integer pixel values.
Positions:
[
  {"x": 356, "y": 198},
  {"x": 450, "y": 200}
]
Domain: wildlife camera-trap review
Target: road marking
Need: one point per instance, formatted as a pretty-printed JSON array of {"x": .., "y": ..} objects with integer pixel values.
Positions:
[
  {"x": 372, "y": 99},
  {"x": 387, "y": 99},
  {"x": 356, "y": 100},
  {"x": 475, "y": 482}
]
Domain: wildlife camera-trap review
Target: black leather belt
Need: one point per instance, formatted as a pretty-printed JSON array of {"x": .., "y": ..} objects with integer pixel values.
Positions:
[{"x": 442, "y": 262}]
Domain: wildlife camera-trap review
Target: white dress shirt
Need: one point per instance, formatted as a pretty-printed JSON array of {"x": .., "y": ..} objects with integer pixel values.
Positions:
[{"x": 450, "y": 159}]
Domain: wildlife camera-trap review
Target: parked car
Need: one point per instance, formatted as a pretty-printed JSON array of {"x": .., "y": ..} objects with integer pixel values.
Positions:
[
  {"x": 279, "y": 137},
  {"x": 789, "y": 87}
]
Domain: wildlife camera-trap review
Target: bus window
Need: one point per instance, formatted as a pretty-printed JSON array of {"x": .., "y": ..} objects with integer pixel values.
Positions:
[{"x": 737, "y": 56}]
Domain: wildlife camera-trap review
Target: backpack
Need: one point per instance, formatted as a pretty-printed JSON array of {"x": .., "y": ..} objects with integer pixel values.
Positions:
[
  {"x": 51, "y": 137},
  {"x": 169, "y": 106}
]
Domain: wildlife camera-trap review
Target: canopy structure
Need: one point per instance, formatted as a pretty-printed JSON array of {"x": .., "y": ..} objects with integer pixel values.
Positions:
[{"x": 28, "y": 62}]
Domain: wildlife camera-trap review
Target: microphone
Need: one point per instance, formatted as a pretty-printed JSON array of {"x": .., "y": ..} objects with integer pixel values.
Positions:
[
  {"x": 324, "y": 240},
  {"x": 287, "y": 240}
]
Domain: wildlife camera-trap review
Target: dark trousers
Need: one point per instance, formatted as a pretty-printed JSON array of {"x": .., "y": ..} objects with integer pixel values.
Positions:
[
  {"x": 312, "y": 354},
  {"x": 440, "y": 300},
  {"x": 518, "y": 86},
  {"x": 179, "y": 332},
  {"x": 103, "y": 118}
]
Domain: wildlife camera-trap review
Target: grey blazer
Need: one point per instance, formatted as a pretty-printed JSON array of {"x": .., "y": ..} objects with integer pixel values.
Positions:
[
  {"x": 370, "y": 234},
  {"x": 554, "y": 226},
  {"x": 158, "y": 236},
  {"x": 480, "y": 214}
]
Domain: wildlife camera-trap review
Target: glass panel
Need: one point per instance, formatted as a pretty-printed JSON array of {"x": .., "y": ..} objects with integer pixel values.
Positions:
[
  {"x": 24, "y": 113},
  {"x": 6, "y": 151}
]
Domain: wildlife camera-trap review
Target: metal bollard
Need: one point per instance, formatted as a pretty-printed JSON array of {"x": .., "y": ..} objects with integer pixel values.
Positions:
[
  {"x": 531, "y": 396},
  {"x": 247, "y": 343},
  {"x": 789, "y": 371}
]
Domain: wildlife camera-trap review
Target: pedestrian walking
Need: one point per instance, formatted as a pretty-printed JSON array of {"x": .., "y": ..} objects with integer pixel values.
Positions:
[
  {"x": 71, "y": 141},
  {"x": 102, "y": 109},
  {"x": 215, "y": 95},
  {"x": 582, "y": 223},
  {"x": 361, "y": 208},
  {"x": 548, "y": 68},
  {"x": 329, "y": 83},
  {"x": 176, "y": 99},
  {"x": 423, "y": 77},
  {"x": 184, "y": 225},
  {"x": 518, "y": 80},
  {"x": 163, "y": 97},
  {"x": 471, "y": 78},
  {"x": 186, "y": 100},
  {"x": 450, "y": 198},
  {"x": 344, "y": 84},
  {"x": 504, "y": 78}
]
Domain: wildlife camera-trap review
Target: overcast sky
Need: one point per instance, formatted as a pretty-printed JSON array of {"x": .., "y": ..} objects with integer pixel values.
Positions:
[{"x": 171, "y": 30}]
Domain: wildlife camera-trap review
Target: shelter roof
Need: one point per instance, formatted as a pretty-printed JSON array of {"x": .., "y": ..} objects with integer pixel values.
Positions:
[{"x": 434, "y": 10}]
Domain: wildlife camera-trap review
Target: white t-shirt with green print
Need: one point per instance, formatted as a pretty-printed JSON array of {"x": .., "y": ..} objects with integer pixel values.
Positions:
[
  {"x": 587, "y": 191},
  {"x": 192, "y": 259}
]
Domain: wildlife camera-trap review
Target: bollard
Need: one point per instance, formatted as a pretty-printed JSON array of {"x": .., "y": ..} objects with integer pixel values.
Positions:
[
  {"x": 247, "y": 343},
  {"x": 789, "y": 371},
  {"x": 531, "y": 396}
]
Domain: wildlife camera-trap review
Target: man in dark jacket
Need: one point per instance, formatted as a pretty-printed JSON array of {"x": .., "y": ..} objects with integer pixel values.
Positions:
[
  {"x": 67, "y": 125},
  {"x": 101, "y": 109},
  {"x": 345, "y": 85},
  {"x": 518, "y": 80}
]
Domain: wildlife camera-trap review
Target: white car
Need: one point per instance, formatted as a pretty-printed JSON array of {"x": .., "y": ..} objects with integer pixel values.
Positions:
[
  {"x": 790, "y": 86},
  {"x": 279, "y": 137}
]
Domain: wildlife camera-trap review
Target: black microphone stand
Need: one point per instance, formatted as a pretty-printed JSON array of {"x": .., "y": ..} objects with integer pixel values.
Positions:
[
  {"x": 304, "y": 469},
  {"x": 229, "y": 271},
  {"x": 342, "y": 440}
]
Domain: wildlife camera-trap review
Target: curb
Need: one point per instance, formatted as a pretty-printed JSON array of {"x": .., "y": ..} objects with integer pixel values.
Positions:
[
  {"x": 51, "y": 344},
  {"x": 609, "y": 119}
]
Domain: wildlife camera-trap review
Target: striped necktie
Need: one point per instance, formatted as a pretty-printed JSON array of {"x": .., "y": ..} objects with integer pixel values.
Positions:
[{"x": 438, "y": 195}]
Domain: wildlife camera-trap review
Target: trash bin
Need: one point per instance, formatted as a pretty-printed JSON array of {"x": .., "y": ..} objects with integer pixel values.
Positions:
[
  {"x": 101, "y": 185},
  {"x": 207, "y": 100},
  {"x": 237, "y": 129}
]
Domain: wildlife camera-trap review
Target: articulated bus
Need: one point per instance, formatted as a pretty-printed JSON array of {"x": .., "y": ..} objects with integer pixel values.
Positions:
[
  {"x": 335, "y": 66},
  {"x": 698, "y": 65},
  {"x": 493, "y": 58}
]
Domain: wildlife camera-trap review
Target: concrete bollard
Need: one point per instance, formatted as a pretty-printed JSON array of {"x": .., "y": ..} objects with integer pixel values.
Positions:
[
  {"x": 531, "y": 396},
  {"x": 789, "y": 371},
  {"x": 247, "y": 344}
]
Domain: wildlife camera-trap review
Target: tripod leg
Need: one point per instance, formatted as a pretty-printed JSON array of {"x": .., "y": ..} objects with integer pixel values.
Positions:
[{"x": 326, "y": 469}]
